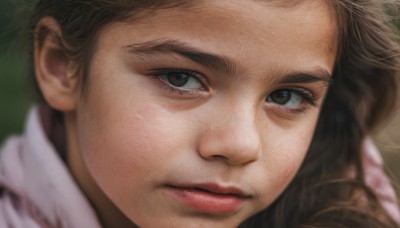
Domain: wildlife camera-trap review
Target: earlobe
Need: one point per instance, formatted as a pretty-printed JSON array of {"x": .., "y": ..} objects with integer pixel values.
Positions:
[{"x": 56, "y": 73}]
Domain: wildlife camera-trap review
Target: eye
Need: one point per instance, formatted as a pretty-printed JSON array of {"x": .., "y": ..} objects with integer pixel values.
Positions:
[
  {"x": 181, "y": 80},
  {"x": 291, "y": 98}
]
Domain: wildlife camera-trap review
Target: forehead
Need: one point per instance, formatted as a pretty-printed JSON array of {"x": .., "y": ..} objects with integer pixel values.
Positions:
[{"x": 272, "y": 31}]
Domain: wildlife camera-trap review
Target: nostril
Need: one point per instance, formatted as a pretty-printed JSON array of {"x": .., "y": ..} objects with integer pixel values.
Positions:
[
  {"x": 219, "y": 157},
  {"x": 231, "y": 160}
]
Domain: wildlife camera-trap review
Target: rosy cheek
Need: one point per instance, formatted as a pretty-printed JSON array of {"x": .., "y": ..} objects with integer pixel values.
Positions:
[
  {"x": 143, "y": 135},
  {"x": 288, "y": 171},
  {"x": 291, "y": 157}
]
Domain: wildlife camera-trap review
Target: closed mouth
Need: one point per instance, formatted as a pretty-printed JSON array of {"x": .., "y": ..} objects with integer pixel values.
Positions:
[
  {"x": 209, "y": 198},
  {"x": 213, "y": 189}
]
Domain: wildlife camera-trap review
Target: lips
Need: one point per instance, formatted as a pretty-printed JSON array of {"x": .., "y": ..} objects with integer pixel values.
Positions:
[{"x": 209, "y": 198}]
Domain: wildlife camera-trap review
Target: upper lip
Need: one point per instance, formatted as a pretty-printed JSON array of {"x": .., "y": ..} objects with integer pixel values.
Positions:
[{"x": 214, "y": 188}]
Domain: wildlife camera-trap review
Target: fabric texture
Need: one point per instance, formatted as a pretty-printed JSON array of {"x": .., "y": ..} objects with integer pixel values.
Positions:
[
  {"x": 37, "y": 190},
  {"x": 376, "y": 179}
]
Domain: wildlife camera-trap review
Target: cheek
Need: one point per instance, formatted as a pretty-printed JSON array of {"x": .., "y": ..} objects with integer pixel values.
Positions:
[
  {"x": 293, "y": 148},
  {"x": 126, "y": 145},
  {"x": 287, "y": 165},
  {"x": 284, "y": 152}
]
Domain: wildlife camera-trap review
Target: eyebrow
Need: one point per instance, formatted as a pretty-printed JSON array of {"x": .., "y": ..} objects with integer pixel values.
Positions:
[
  {"x": 293, "y": 77},
  {"x": 213, "y": 61},
  {"x": 220, "y": 63}
]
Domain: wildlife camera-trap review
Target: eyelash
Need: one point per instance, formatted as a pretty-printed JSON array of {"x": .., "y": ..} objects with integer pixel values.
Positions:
[
  {"x": 305, "y": 94},
  {"x": 157, "y": 74},
  {"x": 307, "y": 97}
]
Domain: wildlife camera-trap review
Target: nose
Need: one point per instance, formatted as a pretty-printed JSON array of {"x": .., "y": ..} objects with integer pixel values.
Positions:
[{"x": 233, "y": 139}]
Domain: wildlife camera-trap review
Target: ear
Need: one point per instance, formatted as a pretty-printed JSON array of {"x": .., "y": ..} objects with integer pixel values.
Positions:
[{"x": 56, "y": 73}]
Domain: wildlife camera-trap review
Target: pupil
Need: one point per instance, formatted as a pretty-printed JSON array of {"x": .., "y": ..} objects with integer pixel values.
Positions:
[
  {"x": 281, "y": 97},
  {"x": 178, "y": 79}
]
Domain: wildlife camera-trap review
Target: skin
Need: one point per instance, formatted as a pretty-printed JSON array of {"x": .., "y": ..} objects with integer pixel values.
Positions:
[{"x": 129, "y": 135}]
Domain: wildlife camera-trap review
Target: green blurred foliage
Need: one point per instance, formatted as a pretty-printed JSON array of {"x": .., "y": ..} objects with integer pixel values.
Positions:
[{"x": 14, "y": 98}]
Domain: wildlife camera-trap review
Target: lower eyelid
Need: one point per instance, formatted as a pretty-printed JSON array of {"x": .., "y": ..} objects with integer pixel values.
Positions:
[{"x": 287, "y": 113}]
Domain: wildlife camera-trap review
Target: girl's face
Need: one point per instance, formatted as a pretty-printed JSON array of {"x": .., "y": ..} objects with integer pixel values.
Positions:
[{"x": 202, "y": 116}]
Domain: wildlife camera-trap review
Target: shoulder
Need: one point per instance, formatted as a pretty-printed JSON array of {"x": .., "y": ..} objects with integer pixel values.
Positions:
[
  {"x": 17, "y": 212},
  {"x": 11, "y": 173},
  {"x": 15, "y": 209},
  {"x": 377, "y": 179},
  {"x": 35, "y": 182}
]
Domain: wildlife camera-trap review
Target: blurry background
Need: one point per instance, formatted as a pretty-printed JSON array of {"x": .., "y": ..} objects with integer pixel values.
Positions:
[{"x": 16, "y": 93}]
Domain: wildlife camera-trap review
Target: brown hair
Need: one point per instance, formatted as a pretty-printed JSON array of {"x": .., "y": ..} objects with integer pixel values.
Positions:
[{"x": 362, "y": 95}]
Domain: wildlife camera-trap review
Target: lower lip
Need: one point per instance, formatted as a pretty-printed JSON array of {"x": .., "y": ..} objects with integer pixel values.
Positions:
[{"x": 208, "y": 203}]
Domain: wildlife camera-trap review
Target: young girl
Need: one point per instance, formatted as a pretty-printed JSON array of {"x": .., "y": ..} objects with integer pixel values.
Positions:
[{"x": 206, "y": 113}]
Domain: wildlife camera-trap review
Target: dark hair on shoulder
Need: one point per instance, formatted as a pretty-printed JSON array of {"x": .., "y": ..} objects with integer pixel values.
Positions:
[{"x": 362, "y": 95}]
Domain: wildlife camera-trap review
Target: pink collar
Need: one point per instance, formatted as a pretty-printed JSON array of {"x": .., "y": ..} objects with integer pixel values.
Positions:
[{"x": 31, "y": 167}]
